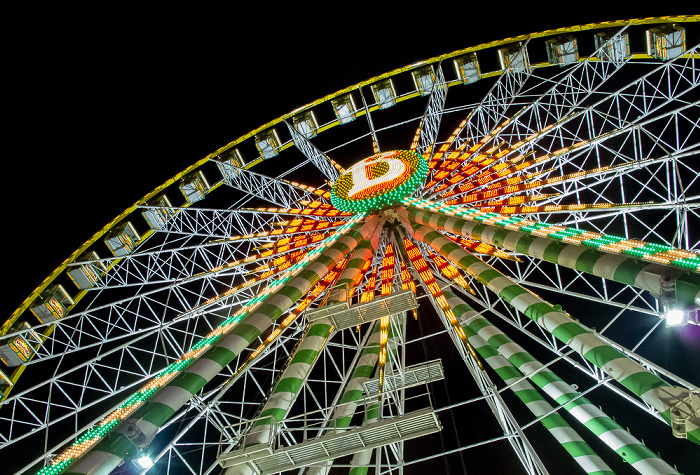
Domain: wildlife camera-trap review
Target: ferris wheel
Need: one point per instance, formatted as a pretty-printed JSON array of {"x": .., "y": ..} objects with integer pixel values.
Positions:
[{"x": 470, "y": 261}]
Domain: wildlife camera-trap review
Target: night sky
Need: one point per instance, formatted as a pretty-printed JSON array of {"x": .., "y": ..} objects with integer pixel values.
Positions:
[{"x": 103, "y": 106}]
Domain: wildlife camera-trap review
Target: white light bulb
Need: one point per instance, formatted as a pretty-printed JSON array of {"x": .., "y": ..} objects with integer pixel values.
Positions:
[
  {"x": 144, "y": 462},
  {"x": 675, "y": 316}
]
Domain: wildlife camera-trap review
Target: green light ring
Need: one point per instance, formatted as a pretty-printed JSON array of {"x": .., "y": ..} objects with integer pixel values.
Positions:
[{"x": 391, "y": 196}]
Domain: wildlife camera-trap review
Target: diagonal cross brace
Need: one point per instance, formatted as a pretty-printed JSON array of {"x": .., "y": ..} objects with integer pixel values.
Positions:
[{"x": 310, "y": 151}]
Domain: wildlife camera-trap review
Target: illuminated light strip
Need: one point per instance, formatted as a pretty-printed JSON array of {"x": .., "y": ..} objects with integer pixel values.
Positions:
[
  {"x": 436, "y": 159},
  {"x": 517, "y": 200},
  {"x": 388, "y": 270},
  {"x": 315, "y": 204},
  {"x": 265, "y": 275},
  {"x": 93, "y": 435},
  {"x": 337, "y": 166},
  {"x": 320, "y": 210},
  {"x": 278, "y": 262},
  {"x": 479, "y": 162},
  {"x": 605, "y": 242},
  {"x": 368, "y": 294},
  {"x": 416, "y": 139},
  {"x": 519, "y": 144},
  {"x": 451, "y": 272},
  {"x": 414, "y": 255},
  {"x": 290, "y": 242},
  {"x": 512, "y": 200},
  {"x": 310, "y": 189},
  {"x": 485, "y": 177},
  {"x": 383, "y": 338},
  {"x": 482, "y": 248},
  {"x": 507, "y": 209},
  {"x": 627, "y": 268},
  {"x": 297, "y": 226},
  {"x": 407, "y": 281}
]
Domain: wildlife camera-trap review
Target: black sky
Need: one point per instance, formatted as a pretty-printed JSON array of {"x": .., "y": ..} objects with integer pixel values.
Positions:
[{"x": 102, "y": 106}]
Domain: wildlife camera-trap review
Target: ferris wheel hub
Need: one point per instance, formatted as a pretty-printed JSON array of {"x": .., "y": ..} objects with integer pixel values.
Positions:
[{"x": 380, "y": 180}]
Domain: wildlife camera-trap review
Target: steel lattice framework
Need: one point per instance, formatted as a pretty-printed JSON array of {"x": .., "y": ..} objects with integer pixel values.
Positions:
[{"x": 554, "y": 235}]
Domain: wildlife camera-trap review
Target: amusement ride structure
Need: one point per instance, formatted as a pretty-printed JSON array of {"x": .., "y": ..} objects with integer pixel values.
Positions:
[{"x": 468, "y": 255}]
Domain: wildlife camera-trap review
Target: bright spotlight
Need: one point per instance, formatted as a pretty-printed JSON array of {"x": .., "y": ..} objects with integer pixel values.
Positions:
[
  {"x": 144, "y": 462},
  {"x": 676, "y": 317}
]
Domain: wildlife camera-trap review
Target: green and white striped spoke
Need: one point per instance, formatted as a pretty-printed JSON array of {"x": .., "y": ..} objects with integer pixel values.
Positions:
[
  {"x": 640, "y": 381},
  {"x": 174, "y": 394},
  {"x": 302, "y": 361},
  {"x": 511, "y": 362},
  {"x": 353, "y": 392},
  {"x": 600, "y": 261}
]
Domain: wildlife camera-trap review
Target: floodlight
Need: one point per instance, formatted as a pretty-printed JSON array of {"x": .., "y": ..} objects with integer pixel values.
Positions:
[
  {"x": 144, "y": 462},
  {"x": 676, "y": 317}
]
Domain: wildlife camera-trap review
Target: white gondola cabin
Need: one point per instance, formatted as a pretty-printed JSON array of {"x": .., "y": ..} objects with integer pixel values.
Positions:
[
  {"x": 5, "y": 384},
  {"x": 305, "y": 123},
  {"x": 268, "y": 143},
  {"x": 19, "y": 348},
  {"x": 122, "y": 239},
  {"x": 53, "y": 304},
  {"x": 514, "y": 57},
  {"x": 612, "y": 47},
  {"x": 194, "y": 187},
  {"x": 344, "y": 108},
  {"x": 384, "y": 93},
  {"x": 89, "y": 272},
  {"x": 468, "y": 69},
  {"x": 424, "y": 80},
  {"x": 666, "y": 42},
  {"x": 161, "y": 211},
  {"x": 562, "y": 50}
]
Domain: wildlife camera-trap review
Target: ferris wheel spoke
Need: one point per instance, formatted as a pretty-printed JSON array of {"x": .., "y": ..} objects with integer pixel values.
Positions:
[
  {"x": 296, "y": 374},
  {"x": 328, "y": 167},
  {"x": 518, "y": 441},
  {"x": 630, "y": 374},
  {"x": 273, "y": 190},
  {"x": 569, "y": 253},
  {"x": 492, "y": 110},
  {"x": 215, "y": 223},
  {"x": 234, "y": 413},
  {"x": 563, "y": 98},
  {"x": 173, "y": 265},
  {"x": 586, "y": 412},
  {"x": 546, "y": 340},
  {"x": 98, "y": 329},
  {"x": 430, "y": 123},
  {"x": 640, "y": 150},
  {"x": 572, "y": 88},
  {"x": 635, "y": 107},
  {"x": 169, "y": 401}
]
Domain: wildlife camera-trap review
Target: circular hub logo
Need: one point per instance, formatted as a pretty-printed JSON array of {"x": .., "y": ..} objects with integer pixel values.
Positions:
[{"x": 379, "y": 180}]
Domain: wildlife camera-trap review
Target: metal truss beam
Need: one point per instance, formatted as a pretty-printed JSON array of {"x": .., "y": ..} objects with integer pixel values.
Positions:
[
  {"x": 273, "y": 190},
  {"x": 430, "y": 124},
  {"x": 310, "y": 151}
]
